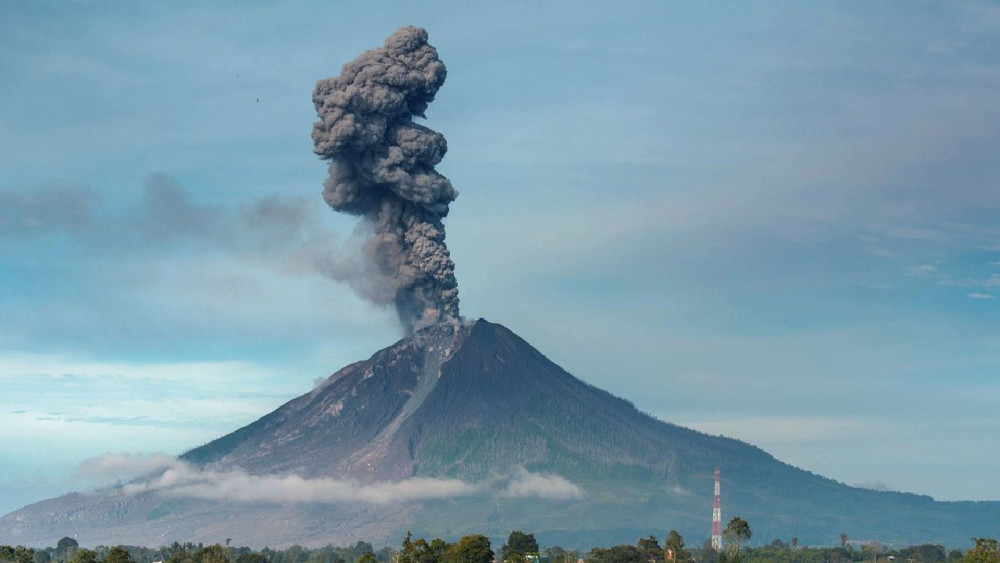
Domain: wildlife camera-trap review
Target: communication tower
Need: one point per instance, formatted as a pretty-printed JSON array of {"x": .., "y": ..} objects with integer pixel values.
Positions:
[{"x": 717, "y": 517}]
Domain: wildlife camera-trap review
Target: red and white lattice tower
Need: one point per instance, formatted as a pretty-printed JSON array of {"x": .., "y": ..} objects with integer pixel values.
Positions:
[{"x": 717, "y": 517}]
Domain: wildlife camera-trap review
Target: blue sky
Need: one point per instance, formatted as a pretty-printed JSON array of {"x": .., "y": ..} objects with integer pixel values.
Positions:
[{"x": 772, "y": 221}]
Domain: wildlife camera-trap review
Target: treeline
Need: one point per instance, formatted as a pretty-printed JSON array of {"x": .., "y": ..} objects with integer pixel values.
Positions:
[
  {"x": 520, "y": 547},
  {"x": 67, "y": 550},
  {"x": 782, "y": 552}
]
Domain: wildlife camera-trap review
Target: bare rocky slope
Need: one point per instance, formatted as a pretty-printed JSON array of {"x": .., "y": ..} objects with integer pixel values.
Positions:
[{"x": 476, "y": 403}]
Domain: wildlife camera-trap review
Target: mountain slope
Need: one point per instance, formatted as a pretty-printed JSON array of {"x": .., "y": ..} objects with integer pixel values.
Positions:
[{"x": 477, "y": 403}]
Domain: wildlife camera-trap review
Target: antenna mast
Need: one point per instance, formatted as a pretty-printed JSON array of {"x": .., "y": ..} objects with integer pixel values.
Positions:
[{"x": 717, "y": 517}]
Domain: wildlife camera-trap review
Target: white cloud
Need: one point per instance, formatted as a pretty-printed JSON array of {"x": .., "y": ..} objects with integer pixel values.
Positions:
[
  {"x": 548, "y": 486},
  {"x": 172, "y": 477},
  {"x": 81, "y": 408},
  {"x": 980, "y": 296},
  {"x": 185, "y": 481},
  {"x": 122, "y": 467},
  {"x": 922, "y": 270}
]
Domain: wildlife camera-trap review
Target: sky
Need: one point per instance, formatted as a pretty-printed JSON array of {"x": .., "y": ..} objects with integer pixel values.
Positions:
[{"x": 774, "y": 221}]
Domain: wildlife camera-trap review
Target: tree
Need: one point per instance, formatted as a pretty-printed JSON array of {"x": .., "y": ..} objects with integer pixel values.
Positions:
[
  {"x": 840, "y": 554},
  {"x": 925, "y": 553},
  {"x": 408, "y": 552},
  {"x": 118, "y": 554},
  {"x": 470, "y": 549},
  {"x": 843, "y": 540},
  {"x": 706, "y": 554},
  {"x": 437, "y": 549},
  {"x": 251, "y": 558},
  {"x": 873, "y": 548},
  {"x": 181, "y": 555},
  {"x": 420, "y": 551},
  {"x": 674, "y": 545},
  {"x": 736, "y": 534},
  {"x": 558, "y": 554},
  {"x": 65, "y": 548},
  {"x": 616, "y": 554},
  {"x": 986, "y": 551},
  {"x": 212, "y": 554},
  {"x": 518, "y": 545},
  {"x": 650, "y": 549},
  {"x": 84, "y": 556},
  {"x": 42, "y": 556},
  {"x": 19, "y": 554}
]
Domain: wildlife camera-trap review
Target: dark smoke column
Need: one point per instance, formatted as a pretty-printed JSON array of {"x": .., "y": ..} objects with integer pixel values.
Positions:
[{"x": 382, "y": 169}]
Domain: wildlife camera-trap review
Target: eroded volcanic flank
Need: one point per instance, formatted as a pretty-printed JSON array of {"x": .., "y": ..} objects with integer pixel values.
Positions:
[
  {"x": 463, "y": 407},
  {"x": 454, "y": 400}
]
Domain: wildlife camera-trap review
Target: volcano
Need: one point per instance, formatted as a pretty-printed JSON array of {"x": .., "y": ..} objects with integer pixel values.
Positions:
[{"x": 504, "y": 439}]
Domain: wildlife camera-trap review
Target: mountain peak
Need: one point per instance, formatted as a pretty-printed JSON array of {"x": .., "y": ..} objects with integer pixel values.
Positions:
[
  {"x": 351, "y": 422},
  {"x": 470, "y": 403}
]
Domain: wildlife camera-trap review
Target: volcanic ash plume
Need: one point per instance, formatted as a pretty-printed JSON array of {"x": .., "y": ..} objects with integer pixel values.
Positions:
[{"x": 382, "y": 169}]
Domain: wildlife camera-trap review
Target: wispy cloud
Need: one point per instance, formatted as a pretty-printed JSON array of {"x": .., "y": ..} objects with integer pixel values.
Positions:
[
  {"x": 990, "y": 282},
  {"x": 121, "y": 467},
  {"x": 172, "y": 477},
  {"x": 66, "y": 401},
  {"x": 53, "y": 208},
  {"x": 549, "y": 486},
  {"x": 165, "y": 220},
  {"x": 986, "y": 296},
  {"x": 173, "y": 273},
  {"x": 181, "y": 480},
  {"x": 922, "y": 270}
]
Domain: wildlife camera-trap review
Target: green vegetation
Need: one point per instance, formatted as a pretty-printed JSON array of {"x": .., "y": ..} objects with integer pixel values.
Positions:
[
  {"x": 520, "y": 547},
  {"x": 470, "y": 549},
  {"x": 118, "y": 554},
  {"x": 19, "y": 554},
  {"x": 736, "y": 535},
  {"x": 84, "y": 555},
  {"x": 674, "y": 548},
  {"x": 986, "y": 551}
]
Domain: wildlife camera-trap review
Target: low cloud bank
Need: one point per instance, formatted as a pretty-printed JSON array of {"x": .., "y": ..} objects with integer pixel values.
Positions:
[
  {"x": 186, "y": 481},
  {"x": 122, "y": 467},
  {"x": 555, "y": 487},
  {"x": 172, "y": 477}
]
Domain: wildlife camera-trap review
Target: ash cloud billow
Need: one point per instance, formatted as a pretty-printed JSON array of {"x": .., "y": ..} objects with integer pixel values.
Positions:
[{"x": 382, "y": 169}]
